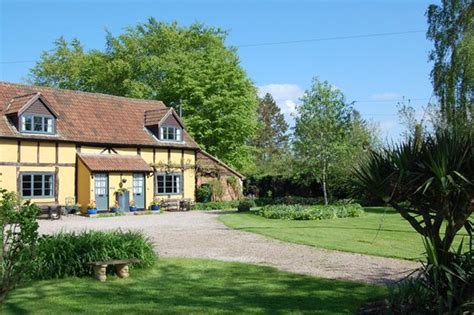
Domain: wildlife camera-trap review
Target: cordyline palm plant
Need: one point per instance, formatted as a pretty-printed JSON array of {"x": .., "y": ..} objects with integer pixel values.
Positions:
[{"x": 430, "y": 182}]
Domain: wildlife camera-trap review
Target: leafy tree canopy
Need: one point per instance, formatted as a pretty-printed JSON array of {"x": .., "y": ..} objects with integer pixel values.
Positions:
[
  {"x": 329, "y": 135},
  {"x": 167, "y": 62},
  {"x": 451, "y": 28},
  {"x": 271, "y": 139}
]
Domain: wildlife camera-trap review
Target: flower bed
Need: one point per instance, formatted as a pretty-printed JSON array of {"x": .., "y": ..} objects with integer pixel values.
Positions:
[{"x": 318, "y": 212}]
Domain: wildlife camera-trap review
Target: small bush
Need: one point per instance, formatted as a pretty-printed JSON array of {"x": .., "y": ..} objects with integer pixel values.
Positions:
[
  {"x": 300, "y": 212},
  {"x": 69, "y": 254},
  {"x": 215, "y": 205},
  {"x": 288, "y": 200},
  {"x": 204, "y": 193},
  {"x": 411, "y": 297},
  {"x": 245, "y": 205},
  {"x": 18, "y": 239}
]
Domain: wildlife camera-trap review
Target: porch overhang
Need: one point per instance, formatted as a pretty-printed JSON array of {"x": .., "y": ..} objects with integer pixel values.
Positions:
[{"x": 114, "y": 163}]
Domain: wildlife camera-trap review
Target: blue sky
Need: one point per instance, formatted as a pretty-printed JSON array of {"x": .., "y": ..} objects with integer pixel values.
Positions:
[{"x": 376, "y": 72}]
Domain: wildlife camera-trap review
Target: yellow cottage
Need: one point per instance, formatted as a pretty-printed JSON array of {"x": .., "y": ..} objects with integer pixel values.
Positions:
[{"x": 61, "y": 145}]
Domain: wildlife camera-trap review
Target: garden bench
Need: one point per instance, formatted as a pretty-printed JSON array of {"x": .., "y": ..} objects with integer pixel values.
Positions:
[
  {"x": 171, "y": 204},
  {"x": 177, "y": 204},
  {"x": 121, "y": 268},
  {"x": 52, "y": 210},
  {"x": 185, "y": 204}
]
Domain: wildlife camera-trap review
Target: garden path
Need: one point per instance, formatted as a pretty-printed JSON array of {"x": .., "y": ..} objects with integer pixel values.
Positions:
[{"x": 198, "y": 234}]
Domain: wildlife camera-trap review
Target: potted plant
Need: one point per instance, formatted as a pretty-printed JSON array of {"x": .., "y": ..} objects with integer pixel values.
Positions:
[
  {"x": 133, "y": 207},
  {"x": 155, "y": 205},
  {"x": 115, "y": 208},
  {"x": 92, "y": 207}
]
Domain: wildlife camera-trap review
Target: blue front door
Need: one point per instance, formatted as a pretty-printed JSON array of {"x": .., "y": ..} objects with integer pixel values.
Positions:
[
  {"x": 139, "y": 190},
  {"x": 101, "y": 191}
]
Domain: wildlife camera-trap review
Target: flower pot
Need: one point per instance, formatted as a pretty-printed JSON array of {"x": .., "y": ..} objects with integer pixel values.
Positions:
[
  {"x": 133, "y": 209},
  {"x": 114, "y": 210},
  {"x": 91, "y": 210},
  {"x": 155, "y": 207}
]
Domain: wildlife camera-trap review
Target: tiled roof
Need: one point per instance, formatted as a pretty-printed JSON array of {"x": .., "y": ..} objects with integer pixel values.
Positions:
[
  {"x": 89, "y": 118},
  {"x": 205, "y": 159},
  {"x": 17, "y": 103},
  {"x": 114, "y": 163},
  {"x": 153, "y": 117}
]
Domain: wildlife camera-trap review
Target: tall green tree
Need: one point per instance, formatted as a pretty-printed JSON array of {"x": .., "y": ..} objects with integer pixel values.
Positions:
[
  {"x": 271, "y": 139},
  {"x": 451, "y": 28},
  {"x": 167, "y": 62},
  {"x": 329, "y": 135}
]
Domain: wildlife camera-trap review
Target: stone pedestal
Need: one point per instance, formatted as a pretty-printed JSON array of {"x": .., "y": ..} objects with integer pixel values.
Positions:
[
  {"x": 100, "y": 272},
  {"x": 122, "y": 270}
]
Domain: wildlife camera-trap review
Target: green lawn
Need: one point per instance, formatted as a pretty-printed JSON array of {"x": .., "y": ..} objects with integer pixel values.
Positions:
[
  {"x": 193, "y": 286},
  {"x": 381, "y": 232}
]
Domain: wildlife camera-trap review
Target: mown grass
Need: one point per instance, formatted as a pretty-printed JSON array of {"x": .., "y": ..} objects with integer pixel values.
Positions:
[
  {"x": 380, "y": 232},
  {"x": 193, "y": 286}
]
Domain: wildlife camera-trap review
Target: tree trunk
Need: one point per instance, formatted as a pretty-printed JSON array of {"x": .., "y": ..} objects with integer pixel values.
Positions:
[{"x": 325, "y": 193}]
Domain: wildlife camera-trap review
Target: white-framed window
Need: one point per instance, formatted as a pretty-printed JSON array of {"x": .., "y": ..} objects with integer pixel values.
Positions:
[
  {"x": 32, "y": 123},
  {"x": 169, "y": 184},
  {"x": 170, "y": 133},
  {"x": 37, "y": 185}
]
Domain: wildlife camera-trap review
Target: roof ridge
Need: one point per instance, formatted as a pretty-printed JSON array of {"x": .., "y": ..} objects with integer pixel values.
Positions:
[
  {"x": 81, "y": 92},
  {"x": 25, "y": 95},
  {"x": 13, "y": 99},
  {"x": 108, "y": 154}
]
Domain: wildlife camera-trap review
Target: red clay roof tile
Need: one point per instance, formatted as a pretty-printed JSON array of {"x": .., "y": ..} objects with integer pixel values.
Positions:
[
  {"x": 114, "y": 163},
  {"x": 90, "y": 117}
]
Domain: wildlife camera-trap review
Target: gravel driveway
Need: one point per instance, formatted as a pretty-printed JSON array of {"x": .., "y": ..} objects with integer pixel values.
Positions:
[{"x": 199, "y": 234}]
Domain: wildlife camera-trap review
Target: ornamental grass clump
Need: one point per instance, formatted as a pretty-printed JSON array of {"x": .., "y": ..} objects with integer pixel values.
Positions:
[
  {"x": 320, "y": 212},
  {"x": 69, "y": 254}
]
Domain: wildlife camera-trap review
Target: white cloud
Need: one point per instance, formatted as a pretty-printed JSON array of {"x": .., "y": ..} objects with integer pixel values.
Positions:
[
  {"x": 286, "y": 95},
  {"x": 386, "y": 96}
]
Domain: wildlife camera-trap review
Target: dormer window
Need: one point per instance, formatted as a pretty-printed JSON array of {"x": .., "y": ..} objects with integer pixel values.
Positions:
[
  {"x": 170, "y": 133},
  {"x": 37, "y": 124},
  {"x": 31, "y": 113},
  {"x": 165, "y": 125}
]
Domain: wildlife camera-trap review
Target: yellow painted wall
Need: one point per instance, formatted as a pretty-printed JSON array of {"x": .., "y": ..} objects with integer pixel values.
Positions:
[
  {"x": 85, "y": 189},
  {"x": 8, "y": 150},
  {"x": 161, "y": 156},
  {"x": 126, "y": 151},
  {"x": 83, "y": 185},
  {"x": 189, "y": 176},
  {"x": 147, "y": 155},
  {"x": 8, "y": 177},
  {"x": 47, "y": 152},
  {"x": 66, "y": 184},
  {"x": 86, "y": 149},
  {"x": 28, "y": 152},
  {"x": 175, "y": 157},
  {"x": 67, "y": 153}
]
